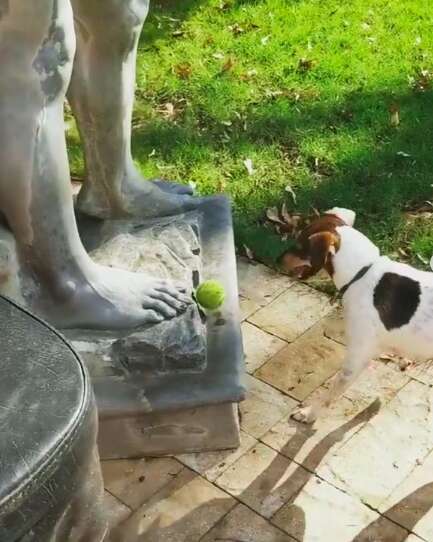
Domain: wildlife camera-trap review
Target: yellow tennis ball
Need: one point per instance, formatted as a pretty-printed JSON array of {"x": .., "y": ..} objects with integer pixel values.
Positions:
[{"x": 210, "y": 294}]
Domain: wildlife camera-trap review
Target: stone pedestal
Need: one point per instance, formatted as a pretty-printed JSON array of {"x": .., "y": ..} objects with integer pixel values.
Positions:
[{"x": 172, "y": 387}]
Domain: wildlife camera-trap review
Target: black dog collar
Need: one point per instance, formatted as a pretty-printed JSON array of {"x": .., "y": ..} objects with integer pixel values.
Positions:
[
  {"x": 357, "y": 277},
  {"x": 344, "y": 289}
]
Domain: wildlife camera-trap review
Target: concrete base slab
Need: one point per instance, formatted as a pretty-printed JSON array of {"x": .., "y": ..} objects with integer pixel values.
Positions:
[{"x": 214, "y": 427}]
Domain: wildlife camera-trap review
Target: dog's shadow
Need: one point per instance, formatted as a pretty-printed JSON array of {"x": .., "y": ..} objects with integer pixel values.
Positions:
[{"x": 130, "y": 531}]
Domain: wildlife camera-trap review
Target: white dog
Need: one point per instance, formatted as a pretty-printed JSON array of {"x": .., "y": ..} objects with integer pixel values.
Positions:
[{"x": 388, "y": 306}]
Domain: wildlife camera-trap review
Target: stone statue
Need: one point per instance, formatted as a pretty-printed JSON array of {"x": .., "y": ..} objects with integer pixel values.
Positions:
[
  {"x": 38, "y": 42},
  {"x": 166, "y": 379}
]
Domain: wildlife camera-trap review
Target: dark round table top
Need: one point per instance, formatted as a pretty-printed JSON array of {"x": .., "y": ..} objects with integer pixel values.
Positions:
[{"x": 43, "y": 390}]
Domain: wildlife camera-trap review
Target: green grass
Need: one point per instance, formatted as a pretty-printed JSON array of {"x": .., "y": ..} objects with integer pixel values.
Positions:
[{"x": 303, "y": 88}]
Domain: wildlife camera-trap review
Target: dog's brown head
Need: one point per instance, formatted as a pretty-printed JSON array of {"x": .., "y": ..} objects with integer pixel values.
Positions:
[{"x": 317, "y": 244}]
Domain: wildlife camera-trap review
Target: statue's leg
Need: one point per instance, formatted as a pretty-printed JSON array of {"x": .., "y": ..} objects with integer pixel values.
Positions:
[
  {"x": 102, "y": 97},
  {"x": 37, "y": 46}
]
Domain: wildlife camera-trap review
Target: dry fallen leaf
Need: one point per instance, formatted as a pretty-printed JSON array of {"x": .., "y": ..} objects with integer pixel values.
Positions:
[
  {"x": 305, "y": 64},
  {"x": 285, "y": 214},
  {"x": 236, "y": 29},
  {"x": 249, "y": 253},
  {"x": 167, "y": 110},
  {"x": 273, "y": 93},
  {"x": 422, "y": 80},
  {"x": 394, "y": 111},
  {"x": 183, "y": 71},
  {"x": 290, "y": 190},
  {"x": 273, "y": 215},
  {"x": 228, "y": 65},
  {"x": 221, "y": 185},
  {"x": 224, "y": 6},
  {"x": 248, "y": 163},
  {"x": 422, "y": 259}
]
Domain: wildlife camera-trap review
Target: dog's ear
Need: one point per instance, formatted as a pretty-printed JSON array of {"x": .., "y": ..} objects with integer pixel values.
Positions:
[
  {"x": 321, "y": 246},
  {"x": 346, "y": 215},
  {"x": 306, "y": 262}
]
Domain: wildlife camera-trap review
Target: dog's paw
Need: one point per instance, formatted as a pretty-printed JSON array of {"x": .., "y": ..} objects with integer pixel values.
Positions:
[{"x": 305, "y": 414}]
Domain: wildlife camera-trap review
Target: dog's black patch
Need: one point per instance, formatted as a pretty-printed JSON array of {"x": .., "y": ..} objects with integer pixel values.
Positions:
[{"x": 396, "y": 299}]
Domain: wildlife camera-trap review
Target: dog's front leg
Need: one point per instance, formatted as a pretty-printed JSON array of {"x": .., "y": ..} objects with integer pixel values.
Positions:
[{"x": 356, "y": 360}]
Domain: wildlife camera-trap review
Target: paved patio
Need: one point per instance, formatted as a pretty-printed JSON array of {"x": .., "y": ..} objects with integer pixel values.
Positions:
[{"x": 365, "y": 473}]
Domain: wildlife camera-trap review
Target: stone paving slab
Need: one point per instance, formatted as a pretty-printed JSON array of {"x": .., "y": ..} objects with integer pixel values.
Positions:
[
  {"x": 301, "y": 367},
  {"x": 183, "y": 511},
  {"x": 312, "y": 445},
  {"x": 247, "y": 307},
  {"x": 259, "y": 283},
  {"x": 373, "y": 463},
  {"x": 116, "y": 511},
  {"x": 243, "y": 525},
  {"x": 134, "y": 482},
  {"x": 263, "y": 407},
  {"x": 423, "y": 372},
  {"x": 333, "y": 326},
  {"x": 321, "y": 512},
  {"x": 259, "y": 346},
  {"x": 411, "y": 503},
  {"x": 212, "y": 464},
  {"x": 263, "y": 479},
  {"x": 293, "y": 312}
]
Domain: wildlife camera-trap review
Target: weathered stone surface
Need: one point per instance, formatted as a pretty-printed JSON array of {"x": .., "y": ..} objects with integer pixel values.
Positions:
[
  {"x": 10, "y": 279},
  {"x": 411, "y": 503},
  {"x": 299, "y": 368},
  {"x": 263, "y": 407},
  {"x": 293, "y": 312},
  {"x": 212, "y": 464},
  {"x": 321, "y": 512},
  {"x": 116, "y": 512},
  {"x": 134, "y": 482},
  {"x": 212, "y": 427},
  {"x": 373, "y": 463},
  {"x": 259, "y": 283},
  {"x": 247, "y": 307},
  {"x": 333, "y": 326},
  {"x": 313, "y": 445},
  {"x": 169, "y": 347},
  {"x": 259, "y": 346},
  {"x": 170, "y": 388},
  {"x": 171, "y": 250},
  {"x": 242, "y": 524},
  {"x": 183, "y": 511},
  {"x": 263, "y": 479}
]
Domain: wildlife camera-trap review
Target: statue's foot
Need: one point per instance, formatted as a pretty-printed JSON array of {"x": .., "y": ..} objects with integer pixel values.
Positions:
[
  {"x": 108, "y": 298},
  {"x": 138, "y": 199},
  {"x": 173, "y": 188}
]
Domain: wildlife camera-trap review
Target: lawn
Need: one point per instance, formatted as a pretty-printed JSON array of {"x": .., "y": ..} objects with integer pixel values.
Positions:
[{"x": 314, "y": 103}]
